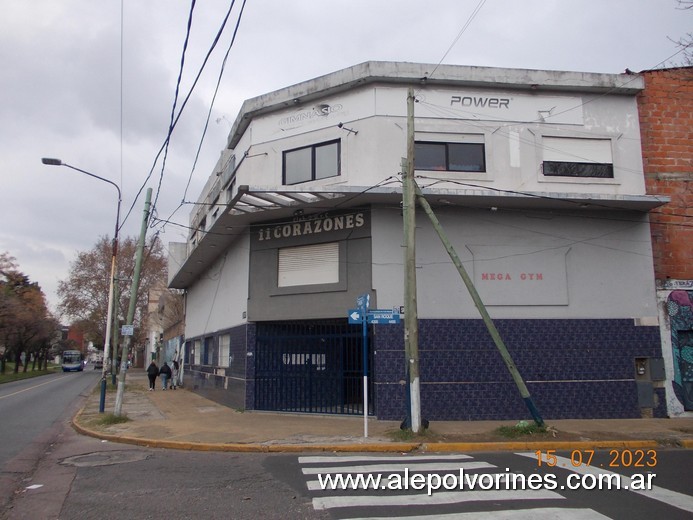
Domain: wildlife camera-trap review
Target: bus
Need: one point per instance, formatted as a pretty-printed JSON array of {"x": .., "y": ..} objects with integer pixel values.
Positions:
[{"x": 72, "y": 361}]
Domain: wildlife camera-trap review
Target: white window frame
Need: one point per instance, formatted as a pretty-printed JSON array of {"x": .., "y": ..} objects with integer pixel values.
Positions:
[
  {"x": 579, "y": 149},
  {"x": 198, "y": 351},
  {"x": 224, "y": 350}
]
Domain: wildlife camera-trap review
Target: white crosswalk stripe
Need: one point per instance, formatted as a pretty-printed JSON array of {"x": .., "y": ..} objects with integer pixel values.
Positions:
[
  {"x": 423, "y": 499},
  {"x": 398, "y": 467},
  {"x": 546, "y": 513}
]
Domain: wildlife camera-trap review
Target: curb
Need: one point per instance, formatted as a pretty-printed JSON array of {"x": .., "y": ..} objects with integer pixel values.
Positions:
[
  {"x": 539, "y": 445},
  {"x": 398, "y": 447},
  {"x": 394, "y": 447}
]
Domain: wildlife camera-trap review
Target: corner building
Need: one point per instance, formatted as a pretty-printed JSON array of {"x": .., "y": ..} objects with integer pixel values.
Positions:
[{"x": 537, "y": 178}]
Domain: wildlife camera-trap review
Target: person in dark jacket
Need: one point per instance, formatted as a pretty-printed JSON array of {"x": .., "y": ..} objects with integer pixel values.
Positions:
[
  {"x": 165, "y": 373},
  {"x": 152, "y": 372}
]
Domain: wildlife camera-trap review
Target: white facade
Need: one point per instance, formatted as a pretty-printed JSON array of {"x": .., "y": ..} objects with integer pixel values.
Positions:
[{"x": 540, "y": 243}]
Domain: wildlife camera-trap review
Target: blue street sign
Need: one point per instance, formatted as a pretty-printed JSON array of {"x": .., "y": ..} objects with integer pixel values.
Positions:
[
  {"x": 354, "y": 316},
  {"x": 375, "y": 316},
  {"x": 383, "y": 316}
]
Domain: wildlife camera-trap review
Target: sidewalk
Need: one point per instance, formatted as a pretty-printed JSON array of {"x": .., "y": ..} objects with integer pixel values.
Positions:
[{"x": 181, "y": 419}]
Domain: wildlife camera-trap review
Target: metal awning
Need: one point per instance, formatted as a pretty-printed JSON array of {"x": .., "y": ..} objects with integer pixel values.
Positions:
[{"x": 254, "y": 204}]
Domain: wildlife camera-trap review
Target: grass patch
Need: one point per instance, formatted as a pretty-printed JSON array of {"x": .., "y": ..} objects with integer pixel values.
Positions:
[
  {"x": 10, "y": 376},
  {"x": 521, "y": 429},
  {"x": 407, "y": 435},
  {"x": 109, "y": 419}
]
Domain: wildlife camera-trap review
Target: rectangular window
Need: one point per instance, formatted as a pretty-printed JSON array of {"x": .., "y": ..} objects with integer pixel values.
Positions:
[
  {"x": 454, "y": 157},
  {"x": 224, "y": 345},
  {"x": 311, "y": 163},
  {"x": 198, "y": 351},
  {"x": 207, "y": 351},
  {"x": 577, "y": 157},
  {"x": 308, "y": 265}
]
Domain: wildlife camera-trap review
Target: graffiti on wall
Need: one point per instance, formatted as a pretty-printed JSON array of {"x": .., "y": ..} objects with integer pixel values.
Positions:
[{"x": 680, "y": 310}]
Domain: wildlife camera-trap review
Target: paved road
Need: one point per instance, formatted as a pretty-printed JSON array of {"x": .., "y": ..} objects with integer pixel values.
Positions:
[
  {"x": 30, "y": 406},
  {"x": 82, "y": 478},
  {"x": 667, "y": 470},
  {"x": 56, "y": 473}
]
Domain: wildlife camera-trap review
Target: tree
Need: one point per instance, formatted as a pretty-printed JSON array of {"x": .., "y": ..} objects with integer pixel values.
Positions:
[
  {"x": 26, "y": 325},
  {"x": 84, "y": 294},
  {"x": 685, "y": 43}
]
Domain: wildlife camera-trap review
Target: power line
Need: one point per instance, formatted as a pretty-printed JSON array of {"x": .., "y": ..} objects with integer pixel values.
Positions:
[
  {"x": 211, "y": 105},
  {"x": 180, "y": 112},
  {"x": 459, "y": 35}
]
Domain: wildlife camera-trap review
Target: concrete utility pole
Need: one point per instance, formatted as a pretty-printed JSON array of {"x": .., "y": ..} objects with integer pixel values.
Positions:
[
  {"x": 115, "y": 331},
  {"x": 131, "y": 309},
  {"x": 411, "y": 318},
  {"x": 482, "y": 309}
]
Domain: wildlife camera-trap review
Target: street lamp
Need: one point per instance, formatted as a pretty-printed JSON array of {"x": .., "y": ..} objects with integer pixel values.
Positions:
[{"x": 107, "y": 340}]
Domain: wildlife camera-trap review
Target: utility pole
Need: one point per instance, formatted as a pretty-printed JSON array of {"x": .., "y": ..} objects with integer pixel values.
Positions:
[
  {"x": 131, "y": 309},
  {"x": 411, "y": 318},
  {"x": 495, "y": 335},
  {"x": 114, "y": 330}
]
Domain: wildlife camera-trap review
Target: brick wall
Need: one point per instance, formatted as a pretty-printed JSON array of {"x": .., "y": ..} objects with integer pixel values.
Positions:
[{"x": 666, "y": 123}]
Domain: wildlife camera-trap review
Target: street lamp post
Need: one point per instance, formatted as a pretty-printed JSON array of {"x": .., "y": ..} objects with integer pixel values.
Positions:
[{"x": 107, "y": 339}]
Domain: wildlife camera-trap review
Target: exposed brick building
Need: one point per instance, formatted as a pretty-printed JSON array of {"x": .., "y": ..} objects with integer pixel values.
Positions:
[{"x": 666, "y": 125}]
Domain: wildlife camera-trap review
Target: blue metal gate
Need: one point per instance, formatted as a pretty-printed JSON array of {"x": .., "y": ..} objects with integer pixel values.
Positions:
[{"x": 310, "y": 366}]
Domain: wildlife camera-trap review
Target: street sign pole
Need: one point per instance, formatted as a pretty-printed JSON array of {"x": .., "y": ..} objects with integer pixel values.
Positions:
[
  {"x": 362, "y": 302},
  {"x": 365, "y": 376},
  {"x": 363, "y": 316}
]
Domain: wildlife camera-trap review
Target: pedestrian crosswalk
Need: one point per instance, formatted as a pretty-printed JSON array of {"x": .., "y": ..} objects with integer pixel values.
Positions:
[{"x": 402, "y": 486}]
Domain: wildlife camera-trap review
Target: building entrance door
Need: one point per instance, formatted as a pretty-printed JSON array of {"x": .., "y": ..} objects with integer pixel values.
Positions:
[{"x": 310, "y": 367}]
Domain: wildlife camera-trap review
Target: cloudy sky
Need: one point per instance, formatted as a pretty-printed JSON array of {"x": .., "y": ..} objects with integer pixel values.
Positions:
[{"x": 93, "y": 83}]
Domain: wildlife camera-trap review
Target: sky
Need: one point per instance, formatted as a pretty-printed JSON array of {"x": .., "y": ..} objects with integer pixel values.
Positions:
[{"x": 93, "y": 83}]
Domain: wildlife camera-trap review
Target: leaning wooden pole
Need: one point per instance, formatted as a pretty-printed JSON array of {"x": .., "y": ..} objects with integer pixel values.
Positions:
[{"x": 514, "y": 372}]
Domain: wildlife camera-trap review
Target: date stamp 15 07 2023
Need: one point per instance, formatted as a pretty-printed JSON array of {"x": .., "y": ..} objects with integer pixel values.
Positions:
[{"x": 617, "y": 458}]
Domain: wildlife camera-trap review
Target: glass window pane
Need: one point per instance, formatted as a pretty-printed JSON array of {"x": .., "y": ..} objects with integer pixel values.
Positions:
[
  {"x": 466, "y": 157},
  {"x": 297, "y": 166},
  {"x": 429, "y": 156},
  {"x": 327, "y": 161},
  {"x": 573, "y": 169}
]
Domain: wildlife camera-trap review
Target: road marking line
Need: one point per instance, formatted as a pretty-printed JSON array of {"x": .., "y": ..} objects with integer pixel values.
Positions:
[
  {"x": 547, "y": 513},
  {"x": 395, "y": 468},
  {"x": 319, "y": 459},
  {"x": 454, "y": 497},
  {"x": 31, "y": 388}
]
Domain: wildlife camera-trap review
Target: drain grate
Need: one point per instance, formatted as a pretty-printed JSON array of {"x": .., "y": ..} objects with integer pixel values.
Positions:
[{"x": 105, "y": 458}]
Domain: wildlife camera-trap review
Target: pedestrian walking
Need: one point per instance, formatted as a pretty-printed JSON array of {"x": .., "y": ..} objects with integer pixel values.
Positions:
[
  {"x": 165, "y": 373},
  {"x": 152, "y": 372},
  {"x": 174, "y": 374}
]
